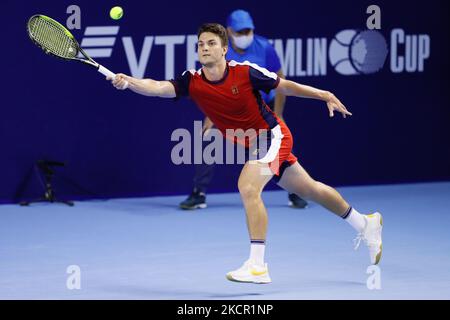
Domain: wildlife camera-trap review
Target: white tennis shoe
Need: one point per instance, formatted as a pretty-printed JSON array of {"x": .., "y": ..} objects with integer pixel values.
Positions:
[
  {"x": 250, "y": 273},
  {"x": 371, "y": 235}
]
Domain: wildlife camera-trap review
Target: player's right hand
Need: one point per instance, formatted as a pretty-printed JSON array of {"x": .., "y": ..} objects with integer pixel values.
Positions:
[{"x": 120, "y": 82}]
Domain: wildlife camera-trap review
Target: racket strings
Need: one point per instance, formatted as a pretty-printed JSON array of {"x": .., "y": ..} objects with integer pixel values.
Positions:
[{"x": 52, "y": 38}]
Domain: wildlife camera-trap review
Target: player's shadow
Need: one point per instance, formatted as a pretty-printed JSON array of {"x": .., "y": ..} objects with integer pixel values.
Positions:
[
  {"x": 141, "y": 292},
  {"x": 234, "y": 295}
]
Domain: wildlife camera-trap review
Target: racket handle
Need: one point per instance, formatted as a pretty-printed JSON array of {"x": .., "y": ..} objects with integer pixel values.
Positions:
[
  {"x": 106, "y": 72},
  {"x": 109, "y": 74}
]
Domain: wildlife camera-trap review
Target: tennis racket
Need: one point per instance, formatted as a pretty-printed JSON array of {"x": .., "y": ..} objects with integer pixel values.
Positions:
[{"x": 56, "y": 40}]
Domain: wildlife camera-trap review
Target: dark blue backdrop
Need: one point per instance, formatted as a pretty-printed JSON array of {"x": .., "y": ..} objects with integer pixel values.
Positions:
[{"x": 117, "y": 144}]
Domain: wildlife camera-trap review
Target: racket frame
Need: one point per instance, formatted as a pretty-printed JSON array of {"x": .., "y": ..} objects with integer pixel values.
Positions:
[{"x": 88, "y": 60}]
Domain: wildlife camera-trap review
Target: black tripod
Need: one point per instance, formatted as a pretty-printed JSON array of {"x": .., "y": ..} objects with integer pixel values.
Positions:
[{"x": 46, "y": 171}]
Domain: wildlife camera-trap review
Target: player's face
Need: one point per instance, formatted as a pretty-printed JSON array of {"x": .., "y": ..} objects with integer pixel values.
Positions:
[{"x": 210, "y": 50}]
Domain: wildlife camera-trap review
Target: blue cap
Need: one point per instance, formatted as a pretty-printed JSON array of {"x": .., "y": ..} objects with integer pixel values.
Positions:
[{"x": 239, "y": 20}]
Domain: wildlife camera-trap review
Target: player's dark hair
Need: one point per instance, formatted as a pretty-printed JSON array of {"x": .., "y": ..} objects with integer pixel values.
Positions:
[{"x": 215, "y": 28}]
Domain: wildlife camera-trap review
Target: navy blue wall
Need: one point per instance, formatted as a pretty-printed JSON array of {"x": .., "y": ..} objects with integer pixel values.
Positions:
[{"x": 118, "y": 144}]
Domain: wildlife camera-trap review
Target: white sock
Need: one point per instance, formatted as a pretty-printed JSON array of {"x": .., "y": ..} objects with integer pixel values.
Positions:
[
  {"x": 355, "y": 219},
  {"x": 257, "y": 248}
]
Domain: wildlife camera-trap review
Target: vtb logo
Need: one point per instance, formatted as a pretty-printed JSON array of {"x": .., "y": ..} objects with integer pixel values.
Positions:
[{"x": 98, "y": 41}]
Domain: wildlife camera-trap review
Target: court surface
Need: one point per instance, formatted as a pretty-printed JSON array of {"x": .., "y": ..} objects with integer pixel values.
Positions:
[{"x": 146, "y": 248}]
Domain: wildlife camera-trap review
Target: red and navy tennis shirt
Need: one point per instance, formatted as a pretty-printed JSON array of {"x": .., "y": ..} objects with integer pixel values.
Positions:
[{"x": 234, "y": 102}]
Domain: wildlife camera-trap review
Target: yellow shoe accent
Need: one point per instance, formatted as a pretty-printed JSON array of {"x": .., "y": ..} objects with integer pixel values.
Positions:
[
  {"x": 257, "y": 273},
  {"x": 378, "y": 257}
]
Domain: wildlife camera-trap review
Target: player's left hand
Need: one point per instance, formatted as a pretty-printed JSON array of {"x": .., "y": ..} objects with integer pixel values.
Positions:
[{"x": 334, "y": 104}]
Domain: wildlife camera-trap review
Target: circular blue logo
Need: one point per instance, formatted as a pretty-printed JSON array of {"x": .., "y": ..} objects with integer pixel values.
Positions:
[{"x": 352, "y": 52}]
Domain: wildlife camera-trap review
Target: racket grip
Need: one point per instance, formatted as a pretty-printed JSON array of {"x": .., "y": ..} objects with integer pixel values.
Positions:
[
  {"x": 106, "y": 72},
  {"x": 110, "y": 74}
]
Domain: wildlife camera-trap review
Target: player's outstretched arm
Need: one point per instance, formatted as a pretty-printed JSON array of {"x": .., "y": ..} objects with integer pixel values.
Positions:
[
  {"x": 291, "y": 88},
  {"x": 146, "y": 87}
]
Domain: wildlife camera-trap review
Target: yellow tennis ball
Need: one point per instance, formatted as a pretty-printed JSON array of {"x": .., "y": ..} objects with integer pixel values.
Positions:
[{"x": 116, "y": 13}]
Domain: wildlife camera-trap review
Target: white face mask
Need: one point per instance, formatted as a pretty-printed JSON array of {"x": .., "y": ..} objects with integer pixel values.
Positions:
[{"x": 243, "y": 42}]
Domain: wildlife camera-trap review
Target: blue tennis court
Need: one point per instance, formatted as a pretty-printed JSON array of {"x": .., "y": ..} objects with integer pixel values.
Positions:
[{"x": 146, "y": 248}]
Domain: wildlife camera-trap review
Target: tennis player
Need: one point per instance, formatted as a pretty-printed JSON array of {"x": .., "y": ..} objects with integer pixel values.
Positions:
[
  {"x": 228, "y": 93},
  {"x": 244, "y": 45}
]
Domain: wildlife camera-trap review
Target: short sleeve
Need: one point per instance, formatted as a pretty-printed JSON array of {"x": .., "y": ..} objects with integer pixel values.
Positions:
[
  {"x": 262, "y": 79},
  {"x": 181, "y": 84},
  {"x": 272, "y": 60}
]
